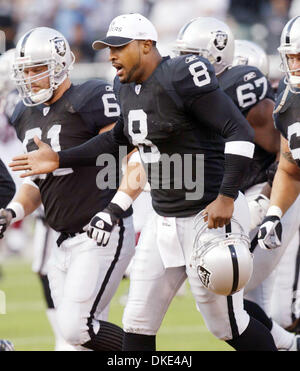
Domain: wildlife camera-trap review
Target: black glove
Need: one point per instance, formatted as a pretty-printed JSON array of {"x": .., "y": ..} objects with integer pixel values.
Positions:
[
  {"x": 6, "y": 216},
  {"x": 270, "y": 231},
  {"x": 102, "y": 224}
]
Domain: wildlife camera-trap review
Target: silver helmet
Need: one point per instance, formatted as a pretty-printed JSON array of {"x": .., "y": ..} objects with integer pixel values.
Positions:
[
  {"x": 41, "y": 46},
  {"x": 223, "y": 260},
  {"x": 290, "y": 44},
  {"x": 250, "y": 54},
  {"x": 208, "y": 37},
  {"x": 6, "y": 62}
]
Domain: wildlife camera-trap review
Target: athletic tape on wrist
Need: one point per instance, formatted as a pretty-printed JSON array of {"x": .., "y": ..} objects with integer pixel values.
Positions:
[
  {"x": 122, "y": 199},
  {"x": 274, "y": 210},
  {"x": 18, "y": 210}
]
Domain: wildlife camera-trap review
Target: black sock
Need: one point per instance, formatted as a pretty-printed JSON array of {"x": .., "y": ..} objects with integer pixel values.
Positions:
[
  {"x": 256, "y": 337},
  {"x": 137, "y": 342},
  {"x": 46, "y": 290},
  {"x": 108, "y": 338},
  {"x": 255, "y": 311}
]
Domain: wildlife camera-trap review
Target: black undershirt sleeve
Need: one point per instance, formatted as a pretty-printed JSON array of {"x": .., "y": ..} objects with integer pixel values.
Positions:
[
  {"x": 86, "y": 154},
  {"x": 219, "y": 112}
]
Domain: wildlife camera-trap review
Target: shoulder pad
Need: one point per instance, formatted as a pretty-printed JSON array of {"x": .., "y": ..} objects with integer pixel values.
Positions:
[
  {"x": 17, "y": 113},
  {"x": 117, "y": 87},
  {"x": 281, "y": 85},
  {"x": 83, "y": 96},
  {"x": 240, "y": 75},
  {"x": 284, "y": 101},
  {"x": 192, "y": 74}
]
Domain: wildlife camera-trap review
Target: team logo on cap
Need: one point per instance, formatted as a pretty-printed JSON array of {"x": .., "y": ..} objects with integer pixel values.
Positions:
[
  {"x": 113, "y": 28},
  {"x": 60, "y": 46},
  {"x": 220, "y": 40}
]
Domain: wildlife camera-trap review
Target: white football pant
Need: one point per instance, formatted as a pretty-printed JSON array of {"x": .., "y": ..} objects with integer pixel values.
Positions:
[
  {"x": 259, "y": 288},
  {"x": 160, "y": 266},
  {"x": 84, "y": 277}
]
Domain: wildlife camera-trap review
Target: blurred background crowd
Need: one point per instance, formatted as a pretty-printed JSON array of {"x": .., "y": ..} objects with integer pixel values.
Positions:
[{"x": 82, "y": 21}]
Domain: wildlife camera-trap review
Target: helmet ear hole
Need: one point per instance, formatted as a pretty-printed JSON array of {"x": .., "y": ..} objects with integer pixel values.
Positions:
[{"x": 218, "y": 59}]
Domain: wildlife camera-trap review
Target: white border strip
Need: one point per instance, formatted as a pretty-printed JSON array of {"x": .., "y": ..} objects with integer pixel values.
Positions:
[{"x": 240, "y": 148}]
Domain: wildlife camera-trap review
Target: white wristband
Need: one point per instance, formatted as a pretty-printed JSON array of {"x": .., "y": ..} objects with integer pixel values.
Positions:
[
  {"x": 274, "y": 210},
  {"x": 122, "y": 199},
  {"x": 18, "y": 210}
]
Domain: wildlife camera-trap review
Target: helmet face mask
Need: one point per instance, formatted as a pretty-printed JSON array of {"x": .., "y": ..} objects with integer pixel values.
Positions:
[
  {"x": 223, "y": 261},
  {"x": 41, "y": 47},
  {"x": 208, "y": 37},
  {"x": 290, "y": 46},
  {"x": 24, "y": 83},
  {"x": 292, "y": 80}
]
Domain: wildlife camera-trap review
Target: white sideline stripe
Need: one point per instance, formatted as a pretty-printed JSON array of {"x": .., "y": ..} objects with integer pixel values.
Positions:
[
  {"x": 31, "y": 340},
  {"x": 240, "y": 148}
]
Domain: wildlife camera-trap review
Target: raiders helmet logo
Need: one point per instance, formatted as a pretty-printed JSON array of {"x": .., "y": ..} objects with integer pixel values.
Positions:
[
  {"x": 60, "y": 46},
  {"x": 220, "y": 40},
  {"x": 204, "y": 275}
]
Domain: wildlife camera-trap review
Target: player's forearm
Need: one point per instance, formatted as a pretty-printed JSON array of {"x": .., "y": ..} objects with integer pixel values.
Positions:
[
  {"x": 87, "y": 153},
  {"x": 134, "y": 180},
  {"x": 285, "y": 190},
  {"x": 239, "y": 151},
  {"x": 28, "y": 197}
]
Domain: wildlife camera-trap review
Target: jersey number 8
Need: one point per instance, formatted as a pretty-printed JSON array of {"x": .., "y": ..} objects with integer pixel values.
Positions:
[
  {"x": 138, "y": 130},
  {"x": 200, "y": 74}
]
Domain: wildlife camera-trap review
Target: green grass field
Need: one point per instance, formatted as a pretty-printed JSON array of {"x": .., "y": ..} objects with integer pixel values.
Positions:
[{"x": 26, "y": 325}]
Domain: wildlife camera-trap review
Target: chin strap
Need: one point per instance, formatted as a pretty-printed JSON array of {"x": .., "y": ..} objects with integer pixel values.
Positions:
[
  {"x": 42, "y": 96},
  {"x": 283, "y": 99}
]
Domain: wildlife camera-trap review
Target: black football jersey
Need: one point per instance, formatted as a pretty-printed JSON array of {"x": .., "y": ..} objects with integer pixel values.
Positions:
[
  {"x": 287, "y": 121},
  {"x": 156, "y": 119},
  {"x": 7, "y": 186},
  {"x": 246, "y": 86},
  {"x": 70, "y": 196}
]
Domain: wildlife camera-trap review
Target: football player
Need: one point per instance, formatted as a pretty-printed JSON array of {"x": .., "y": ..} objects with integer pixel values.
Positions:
[
  {"x": 84, "y": 273},
  {"x": 44, "y": 236},
  {"x": 166, "y": 107},
  {"x": 250, "y": 90},
  {"x": 7, "y": 191},
  {"x": 286, "y": 184},
  {"x": 285, "y": 297}
]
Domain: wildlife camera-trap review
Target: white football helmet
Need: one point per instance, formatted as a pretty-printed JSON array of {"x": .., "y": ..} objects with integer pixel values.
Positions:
[
  {"x": 6, "y": 62},
  {"x": 208, "y": 37},
  {"x": 41, "y": 46},
  {"x": 250, "y": 54},
  {"x": 290, "y": 44},
  {"x": 223, "y": 262}
]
